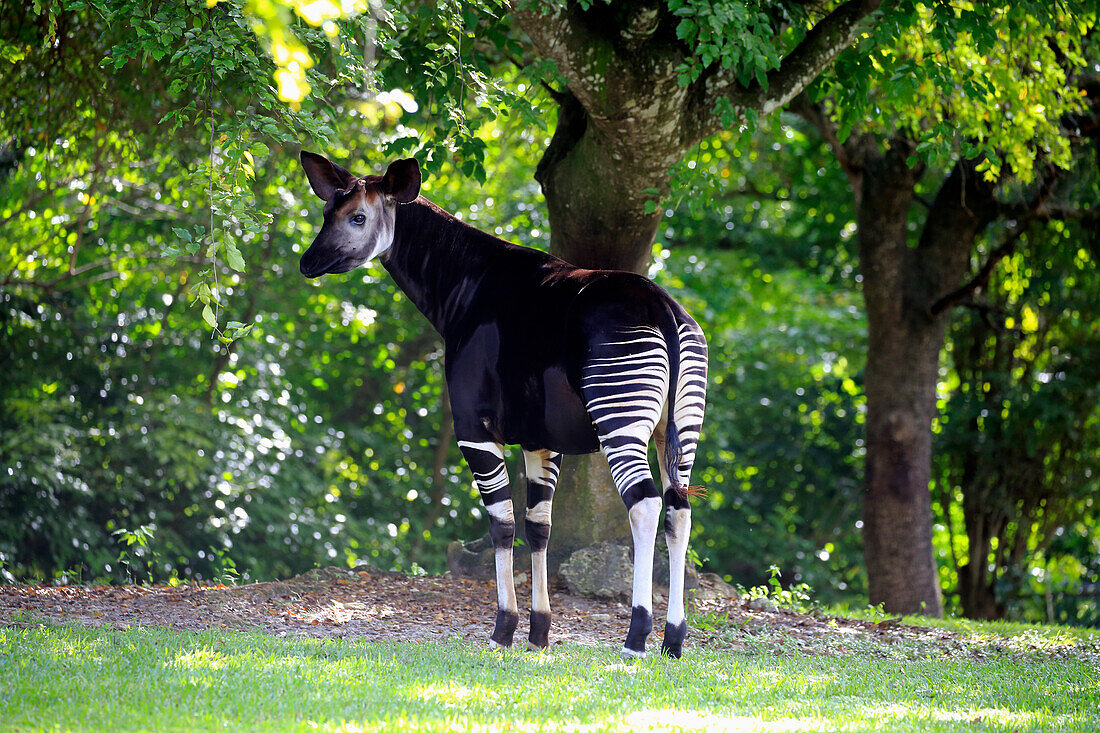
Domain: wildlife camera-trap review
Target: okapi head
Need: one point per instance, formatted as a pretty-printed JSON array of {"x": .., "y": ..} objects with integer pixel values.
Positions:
[{"x": 359, "y": 212}]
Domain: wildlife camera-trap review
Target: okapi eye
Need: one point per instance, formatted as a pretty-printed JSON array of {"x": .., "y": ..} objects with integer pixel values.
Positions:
[{"x": 358, "y": 219}]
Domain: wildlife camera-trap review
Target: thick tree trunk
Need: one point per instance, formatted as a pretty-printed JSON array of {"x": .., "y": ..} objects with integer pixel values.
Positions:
[
  {"x": 596, "y": 195},
  {"x": 596, "y": 191},
  {"x": 900, "y": 284},
  {"x": 900, "y": 381},
  {"x": 623, "y": 122}
]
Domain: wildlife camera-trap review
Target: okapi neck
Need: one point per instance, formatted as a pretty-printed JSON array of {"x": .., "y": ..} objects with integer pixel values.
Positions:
[{"x": 438, "y": 261}]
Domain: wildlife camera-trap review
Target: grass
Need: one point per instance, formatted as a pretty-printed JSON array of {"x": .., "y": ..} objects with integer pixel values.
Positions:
[{"x": 73, "y": 678}]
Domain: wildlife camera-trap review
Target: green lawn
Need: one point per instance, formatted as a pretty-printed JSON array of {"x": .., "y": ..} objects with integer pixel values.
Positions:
[{"x": 67, "y": 677}]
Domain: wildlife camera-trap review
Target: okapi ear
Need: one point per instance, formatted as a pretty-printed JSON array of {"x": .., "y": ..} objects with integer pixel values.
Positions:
[
  {"x": 325, "y": 177},
  {"x": 402, "y": 180}
]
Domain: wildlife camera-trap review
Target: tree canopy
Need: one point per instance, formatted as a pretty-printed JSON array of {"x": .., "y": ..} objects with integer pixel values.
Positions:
[{"x": 179, "y": 402}]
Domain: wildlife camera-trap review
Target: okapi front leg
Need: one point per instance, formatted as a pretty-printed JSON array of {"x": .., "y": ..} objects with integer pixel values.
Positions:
[
  {"x": 542, "y": 476},
  {"x": 486, "y": 460}
]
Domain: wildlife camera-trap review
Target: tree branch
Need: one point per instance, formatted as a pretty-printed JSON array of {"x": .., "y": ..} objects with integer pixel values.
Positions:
[
  {"x": 822, "y": 44},
  {"x": 561, "y": 33},
  {"x": 982, "y": 277},
  {"x": 816, "y": 116},
  {"x": 520, "y": 66}
]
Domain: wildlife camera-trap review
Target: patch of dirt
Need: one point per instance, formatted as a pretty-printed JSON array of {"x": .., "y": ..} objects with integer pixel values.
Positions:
[{"x": 377, "y": 605}]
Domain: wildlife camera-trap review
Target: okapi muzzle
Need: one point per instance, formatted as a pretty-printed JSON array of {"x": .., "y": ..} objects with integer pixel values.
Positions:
[{"x": 359, "y": 213}]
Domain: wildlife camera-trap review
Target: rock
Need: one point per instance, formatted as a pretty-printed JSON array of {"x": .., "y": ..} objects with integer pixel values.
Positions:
[
  {"x": 471, "y": 561},
  {"x": 606, "y": 570},
  {"x": 763, "y": 604},
  {"x": 713, "y": 588},
  {"x": 600, "y": 571},
  {"x": 477, "y": 559},
  {"x": 612, "y": 562}
]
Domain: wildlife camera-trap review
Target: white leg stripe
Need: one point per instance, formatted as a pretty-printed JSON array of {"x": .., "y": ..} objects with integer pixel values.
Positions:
[
  {"x": 502, "y": 511},
  {"x": 540, "y": 596},
  {"x": 506, "y": 588},
  {"x": 643, "y": 526},
  {"x": 540, "y": 513},
  {"x": 486, "y": 447},
  {"x": 680, "y": 528}
]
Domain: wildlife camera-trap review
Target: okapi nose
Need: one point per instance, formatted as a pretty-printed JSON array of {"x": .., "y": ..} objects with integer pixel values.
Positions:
[{"x": 308, "y": 265}]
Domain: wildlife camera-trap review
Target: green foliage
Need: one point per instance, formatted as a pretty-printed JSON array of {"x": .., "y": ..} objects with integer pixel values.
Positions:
[
  {"x": 782, "y": 453},
  {"x": 777, "y": 195},
  {"x": 796, "y": 597},
  {"x": 730, "y": 35},
  {"x": 312, "y": 442},
  {"x": 988, "y": 81},
  {"x": 1017, "y": 448}
]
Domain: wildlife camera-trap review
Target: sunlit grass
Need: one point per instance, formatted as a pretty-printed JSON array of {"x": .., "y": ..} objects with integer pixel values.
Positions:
[{"x": 67, "y": 677}]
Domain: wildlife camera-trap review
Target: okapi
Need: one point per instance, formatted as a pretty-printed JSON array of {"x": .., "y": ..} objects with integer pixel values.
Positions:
[{"x": 540, "y": 354}]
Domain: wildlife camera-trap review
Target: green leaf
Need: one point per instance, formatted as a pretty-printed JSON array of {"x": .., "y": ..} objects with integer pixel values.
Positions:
[
  {"x": 233, "y": 257},
  {"x": 208, "y": 316}
]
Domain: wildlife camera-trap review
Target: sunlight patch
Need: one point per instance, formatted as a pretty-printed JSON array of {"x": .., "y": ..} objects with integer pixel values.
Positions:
[
  {"x": 1015, "y": 718},
  {"x": 204, "y": 658},
  {"x": 452, "y": 694},
  {"x": 675, "y": 719},
  {"x": 623, "y": 667}
]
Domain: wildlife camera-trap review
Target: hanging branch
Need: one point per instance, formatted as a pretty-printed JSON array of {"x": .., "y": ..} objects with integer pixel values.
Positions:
[{"x": 982, "y": 277}]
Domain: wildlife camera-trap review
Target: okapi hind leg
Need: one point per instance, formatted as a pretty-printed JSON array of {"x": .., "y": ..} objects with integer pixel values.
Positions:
[
  {"x": 486, "y": 460},
  {"x": 542, "y": 469},
  {"x": 677, "y": 531},
  {"x": 687, "y": 420},
  {"x": 644, "y": 515},
  {"x": 625, "y": 384}
]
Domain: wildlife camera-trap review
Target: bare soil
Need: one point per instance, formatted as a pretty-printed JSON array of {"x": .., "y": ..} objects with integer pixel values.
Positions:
[{"x": 379, "y": 606}]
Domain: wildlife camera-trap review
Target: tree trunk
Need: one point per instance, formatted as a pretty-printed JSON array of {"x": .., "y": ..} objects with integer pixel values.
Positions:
[
  {"x": 623, "y": 122},
  {"x": 977, "y": 596},
  {"x": 900, "y": 382},
  {"x": 596, "y": 191},
  {"x": 900, "y": 285},
  {"x": 596, "y": 195}
]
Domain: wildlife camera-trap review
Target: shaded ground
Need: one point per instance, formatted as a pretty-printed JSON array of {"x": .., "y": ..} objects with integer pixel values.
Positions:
[{"x": 376, "y": 605}]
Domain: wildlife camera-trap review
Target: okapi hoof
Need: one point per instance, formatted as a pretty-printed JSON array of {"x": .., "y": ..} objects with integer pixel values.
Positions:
[
  {"x": 539, "y": 638},
  {"x": 630, "y": 655},
  {"x": 641, "y": 623},
  {"x": 505, "y": 629},
  {"x": 673, "y": 643}
]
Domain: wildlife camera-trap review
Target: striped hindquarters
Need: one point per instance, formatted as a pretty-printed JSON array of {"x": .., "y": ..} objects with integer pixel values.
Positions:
[{"x": 625, "y": 385}]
